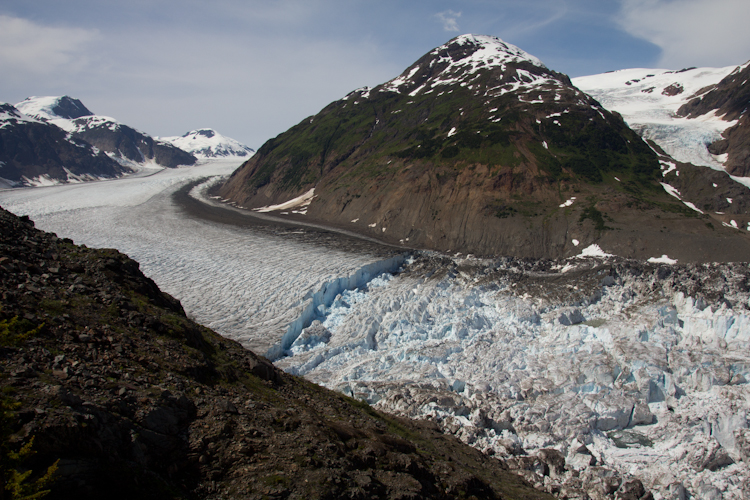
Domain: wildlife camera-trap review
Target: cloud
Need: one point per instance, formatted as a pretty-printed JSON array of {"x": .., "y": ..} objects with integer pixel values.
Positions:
[
  {"x": 691, "y": 32},
  {"x": 35, "y": 50},
  {"x": 449, "y": 19}
]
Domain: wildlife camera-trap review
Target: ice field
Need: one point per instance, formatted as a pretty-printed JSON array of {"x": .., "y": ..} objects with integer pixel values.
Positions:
[{"x": 626, "y": 368}]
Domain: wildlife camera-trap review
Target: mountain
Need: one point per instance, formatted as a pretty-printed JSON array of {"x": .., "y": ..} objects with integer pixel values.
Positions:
[
  {"x": 33, "y": 152},
  {"x": 208, "y": 143},
  {"x": 729, "y": 99},
  {"x": 477, "y": 147},
  {"x": 121, "y": 142},
  {"x": 131, "y": 399}
]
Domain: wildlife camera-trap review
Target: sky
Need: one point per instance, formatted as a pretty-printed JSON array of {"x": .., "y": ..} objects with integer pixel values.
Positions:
[{"x": 251, "y": 69}]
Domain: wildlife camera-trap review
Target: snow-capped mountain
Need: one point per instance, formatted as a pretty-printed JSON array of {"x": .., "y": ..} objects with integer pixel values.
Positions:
[
  {"x": 126, "y": 144},
  {"x": 51, "y": 108},
  {"x": 34, "y": 152},
  {"x": 208, "y": 143},
  {"x": 478, "y": 147}
]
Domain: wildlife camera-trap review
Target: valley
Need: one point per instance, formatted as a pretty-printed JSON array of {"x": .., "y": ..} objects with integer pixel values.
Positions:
[
  {"x": 554, "y": 271},
  {"x": 589, "y": 353}
]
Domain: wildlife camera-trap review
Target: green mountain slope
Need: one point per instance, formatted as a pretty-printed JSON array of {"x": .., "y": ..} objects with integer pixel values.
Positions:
[{"x": 476, "y": 147}]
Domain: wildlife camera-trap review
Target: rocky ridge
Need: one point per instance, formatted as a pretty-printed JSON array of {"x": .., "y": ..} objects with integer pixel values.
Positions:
[
  {"x": 136, "y": 400},
  {"x": 33, "y": 152},
  {"x": 106, "y": 134},
  {"x": 476, "y": 147}
]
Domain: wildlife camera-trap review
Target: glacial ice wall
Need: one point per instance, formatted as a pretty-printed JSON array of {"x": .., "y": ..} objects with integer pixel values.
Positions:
[{"x": 316, "y": 302}]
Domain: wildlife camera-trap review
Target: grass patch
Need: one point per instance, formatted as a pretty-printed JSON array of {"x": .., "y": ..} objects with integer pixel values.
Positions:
[{"x": 594, "y": 216}]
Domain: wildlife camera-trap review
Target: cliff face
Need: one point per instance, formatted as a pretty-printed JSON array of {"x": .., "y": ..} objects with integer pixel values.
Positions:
[
  {"x": 477, "y": 147},
  {"x": 137, "y": 401}
]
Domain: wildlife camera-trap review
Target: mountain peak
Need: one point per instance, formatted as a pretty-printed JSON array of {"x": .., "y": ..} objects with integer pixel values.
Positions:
[
  {"x": 486, "y": 49},
  {"x": 475, "y": 147},
  {"x": 205, "y": 132},
  {"x": 462, "y": 60},
  {"x": 53, "y": 107}
]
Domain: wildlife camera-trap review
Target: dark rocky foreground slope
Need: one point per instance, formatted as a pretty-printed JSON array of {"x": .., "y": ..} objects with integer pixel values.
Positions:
[{"x": 138, "y": 401}]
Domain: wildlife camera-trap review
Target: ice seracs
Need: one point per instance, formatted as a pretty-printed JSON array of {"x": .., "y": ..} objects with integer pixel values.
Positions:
[{"x": 622, "y": 368}]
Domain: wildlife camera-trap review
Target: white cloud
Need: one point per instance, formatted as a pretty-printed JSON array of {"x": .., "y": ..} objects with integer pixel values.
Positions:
[
  {"x": 36, "y": 50},
  {"x": 691, "y": 32},
  {"x": 449, "y": 19}
]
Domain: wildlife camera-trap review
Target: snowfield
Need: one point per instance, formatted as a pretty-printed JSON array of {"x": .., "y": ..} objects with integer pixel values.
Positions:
[
  {"x": 648, "y": 100},
  {"x": 623, "y": 369}
]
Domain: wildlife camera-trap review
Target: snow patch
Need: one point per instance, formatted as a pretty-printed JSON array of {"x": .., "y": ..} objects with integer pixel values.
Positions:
[
  {"x": 674, "y": 192},
  {"x": 568, "y": 202},
  {"x": 303, "y": 200},
  {"x": 594, "y": 250},
  {"x": 664, "y": 259}
]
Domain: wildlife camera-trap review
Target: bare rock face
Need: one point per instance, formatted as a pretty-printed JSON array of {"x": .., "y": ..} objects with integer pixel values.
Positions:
[{"x": 70, "y": 108}]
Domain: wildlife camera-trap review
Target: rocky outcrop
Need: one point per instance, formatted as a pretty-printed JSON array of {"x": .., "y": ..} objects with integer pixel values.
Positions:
[{"x": 137, "y": 401}]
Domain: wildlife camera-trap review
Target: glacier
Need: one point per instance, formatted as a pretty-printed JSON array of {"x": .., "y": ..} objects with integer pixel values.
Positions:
[{"x": 633, "y": 369}]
